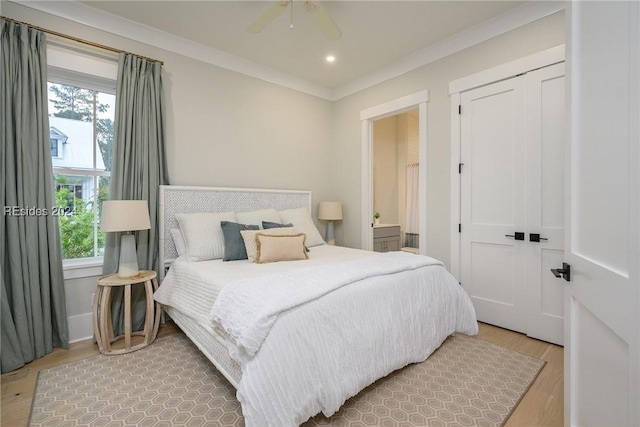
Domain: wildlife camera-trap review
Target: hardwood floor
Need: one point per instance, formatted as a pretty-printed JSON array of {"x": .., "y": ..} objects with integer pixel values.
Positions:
[{"x": 541, "y": 406}]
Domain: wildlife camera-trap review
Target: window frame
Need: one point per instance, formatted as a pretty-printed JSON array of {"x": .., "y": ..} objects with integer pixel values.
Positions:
[
  {"x": 88, "y": 266},
  {"x": 55, "y": 155}
]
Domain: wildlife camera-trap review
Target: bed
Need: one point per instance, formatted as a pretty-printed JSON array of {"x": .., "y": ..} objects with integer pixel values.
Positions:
[{"x": 301, "y": 335}]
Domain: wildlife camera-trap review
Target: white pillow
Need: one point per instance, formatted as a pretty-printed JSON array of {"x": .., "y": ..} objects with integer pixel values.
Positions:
[
  {"x": 178, "y": 241},
  {"x": 256, "y": 217},
  {"x": 301, "y": 220},
  {"x": 250, "y": 242},
  {"x": 203, "y": 235}
]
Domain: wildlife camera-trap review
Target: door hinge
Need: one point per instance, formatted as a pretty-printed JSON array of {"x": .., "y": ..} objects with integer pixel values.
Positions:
[
  {"x": 460, "y": 167},
  {"x": 459, "y": 228},
  {"x": 459, "y": 109}
]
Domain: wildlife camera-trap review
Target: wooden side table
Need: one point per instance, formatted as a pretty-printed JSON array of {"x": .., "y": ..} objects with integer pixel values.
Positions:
[{"x": 102, "y": 326}]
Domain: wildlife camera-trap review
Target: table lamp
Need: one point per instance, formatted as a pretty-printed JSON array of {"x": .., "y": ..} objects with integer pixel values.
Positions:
[
  {"x": 126, "y": 216},
  {"x": 330, "y": 211}
]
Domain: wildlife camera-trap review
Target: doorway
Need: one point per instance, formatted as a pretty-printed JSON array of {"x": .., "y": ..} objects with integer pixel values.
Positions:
[
  {"x": 417, "y": 104},
  {"x": 396, "y": 186}
]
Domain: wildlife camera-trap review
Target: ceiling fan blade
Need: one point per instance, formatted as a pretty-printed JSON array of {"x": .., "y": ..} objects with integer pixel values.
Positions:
[
  {"x": 269, "y": 15},
  {"x": 324, "y": 22}
]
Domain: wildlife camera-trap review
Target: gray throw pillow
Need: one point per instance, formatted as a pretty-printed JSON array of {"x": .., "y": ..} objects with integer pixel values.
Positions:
[
  {"x": 234, "y": 248},
  {"x": 267, "y": 225}
]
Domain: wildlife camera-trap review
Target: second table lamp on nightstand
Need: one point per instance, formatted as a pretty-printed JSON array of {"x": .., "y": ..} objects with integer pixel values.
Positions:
[
  {"x": 126, "y": 216},
  {"x": 330, "y": 211}
]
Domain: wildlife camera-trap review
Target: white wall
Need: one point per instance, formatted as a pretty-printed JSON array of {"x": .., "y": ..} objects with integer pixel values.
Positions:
[
  {"x": 222, "y": 129},
  {"x": 435, "y": 77}
]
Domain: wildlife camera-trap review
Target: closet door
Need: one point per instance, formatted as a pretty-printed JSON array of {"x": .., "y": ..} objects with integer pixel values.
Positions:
[
  {"x": 493, "y": 203},
  {"x": 545, "y": 202},
  {"x": 512, "y": 201}
]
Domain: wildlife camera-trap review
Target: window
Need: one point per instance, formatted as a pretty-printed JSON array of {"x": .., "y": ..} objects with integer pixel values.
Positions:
[
  {"x": 81, "y": 119},
  {"x": 54, "y": 147}
]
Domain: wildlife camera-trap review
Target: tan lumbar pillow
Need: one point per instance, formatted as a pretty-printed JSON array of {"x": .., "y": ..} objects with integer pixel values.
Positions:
[
  {"x": 249, "y": 237},
  {"x": 280, "y": 248}
]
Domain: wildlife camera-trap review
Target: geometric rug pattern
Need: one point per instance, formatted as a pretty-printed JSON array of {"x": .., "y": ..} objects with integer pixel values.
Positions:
[{"x": 466, "y": 382}]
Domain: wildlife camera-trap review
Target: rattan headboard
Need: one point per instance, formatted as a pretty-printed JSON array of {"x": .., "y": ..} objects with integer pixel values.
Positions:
[{"x": 181, "y": 199}]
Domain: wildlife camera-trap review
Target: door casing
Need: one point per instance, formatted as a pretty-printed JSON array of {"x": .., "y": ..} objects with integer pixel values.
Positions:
[{"x": 367, "y": 117}]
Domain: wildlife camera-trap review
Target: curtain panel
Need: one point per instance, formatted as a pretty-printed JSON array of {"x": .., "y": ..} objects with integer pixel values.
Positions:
[
  {"x": 139, "y": 168},
  {"x": 34, "y": 316}
]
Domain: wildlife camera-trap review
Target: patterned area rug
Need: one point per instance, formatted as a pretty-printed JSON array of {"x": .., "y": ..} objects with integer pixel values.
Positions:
[{"x": 466, "y": 382}]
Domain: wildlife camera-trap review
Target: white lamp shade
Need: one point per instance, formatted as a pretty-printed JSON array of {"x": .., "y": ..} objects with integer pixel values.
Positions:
[
  {"x": 124, "y": 215},
  {"x": 330, "y": 211}
]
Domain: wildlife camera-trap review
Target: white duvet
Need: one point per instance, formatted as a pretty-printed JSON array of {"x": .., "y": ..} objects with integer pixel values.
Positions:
[{"x": 309, "y": 352}]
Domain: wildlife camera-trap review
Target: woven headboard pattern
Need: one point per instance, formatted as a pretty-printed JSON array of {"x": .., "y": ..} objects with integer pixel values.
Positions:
[{"x": 184, "y": 199}]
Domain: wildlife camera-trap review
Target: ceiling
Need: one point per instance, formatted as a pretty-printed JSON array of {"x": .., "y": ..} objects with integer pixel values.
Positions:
[{"x": 375, "y": 34}]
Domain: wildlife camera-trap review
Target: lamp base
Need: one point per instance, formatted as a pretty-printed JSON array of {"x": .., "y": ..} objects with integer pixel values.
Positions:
[
  {"x": 128, "y": 266},
  {"x": 330, "y": 238}
]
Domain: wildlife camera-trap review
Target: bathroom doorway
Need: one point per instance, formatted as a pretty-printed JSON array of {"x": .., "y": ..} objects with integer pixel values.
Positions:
[
  {"x": 396, "y": 167},
  {"x": 389, "y": 170}
]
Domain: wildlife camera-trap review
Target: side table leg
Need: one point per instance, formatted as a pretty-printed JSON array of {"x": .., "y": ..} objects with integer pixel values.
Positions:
[
  {"x": 127, "y": 316},
  {"x": 106, "y": 328},
  {"x": 158, "y": 312},
  {"x": 148, "y": 315},
  {"x": 96, "y": 323}
]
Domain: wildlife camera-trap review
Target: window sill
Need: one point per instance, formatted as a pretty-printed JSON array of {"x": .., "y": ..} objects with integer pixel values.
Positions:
[{"x": 88, "y": 267}]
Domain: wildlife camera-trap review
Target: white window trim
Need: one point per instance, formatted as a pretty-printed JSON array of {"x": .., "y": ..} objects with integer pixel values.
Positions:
[
  {"x": 82, "y": 267},
  {"x": 93, "y": 80}
]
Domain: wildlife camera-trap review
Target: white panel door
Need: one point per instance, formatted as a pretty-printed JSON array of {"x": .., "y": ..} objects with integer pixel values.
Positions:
[
  {"x": 493, "y": 203},
  {"x": 546, "y": 136},
  {"x": 602, "y": 243}
]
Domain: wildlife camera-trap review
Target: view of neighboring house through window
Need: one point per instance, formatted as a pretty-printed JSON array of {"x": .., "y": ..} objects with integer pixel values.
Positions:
[
  {"x": 54, "y": 147},
  {"x": 81, "y": 122}
]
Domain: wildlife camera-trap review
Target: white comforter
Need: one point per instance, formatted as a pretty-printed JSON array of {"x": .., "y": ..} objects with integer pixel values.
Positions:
[
  {"x": 246, "y": 309},
  {"x": 318, "y": 354}
]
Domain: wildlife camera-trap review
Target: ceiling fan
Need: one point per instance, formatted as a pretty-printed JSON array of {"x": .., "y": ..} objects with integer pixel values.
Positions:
[{"x": 322, "y": 19}]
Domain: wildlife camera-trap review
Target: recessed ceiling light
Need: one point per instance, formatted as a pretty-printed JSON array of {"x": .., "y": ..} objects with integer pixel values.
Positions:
[{"x": 330, "y": 58}]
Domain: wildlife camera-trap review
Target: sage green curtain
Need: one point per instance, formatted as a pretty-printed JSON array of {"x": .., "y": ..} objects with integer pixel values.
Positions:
[
  {"x": 139, "y": 167},
  {"x": 34, "y": 316}
]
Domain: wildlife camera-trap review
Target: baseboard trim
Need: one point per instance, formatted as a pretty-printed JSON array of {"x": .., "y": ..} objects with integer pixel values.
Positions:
[{"x": 80, "y": 327}]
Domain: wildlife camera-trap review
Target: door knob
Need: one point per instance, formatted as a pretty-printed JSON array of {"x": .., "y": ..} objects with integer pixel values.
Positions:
[
  {"x": 535, "y": 237},
  {"x": 518, "y": 235},
  {"x": 564, "y": 272}
]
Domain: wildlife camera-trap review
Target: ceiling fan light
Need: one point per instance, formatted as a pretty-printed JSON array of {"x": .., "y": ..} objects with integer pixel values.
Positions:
[{"x": 323, "y": 21}]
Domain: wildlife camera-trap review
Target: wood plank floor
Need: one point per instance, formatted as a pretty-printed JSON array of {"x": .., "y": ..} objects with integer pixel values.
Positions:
[{"x": 541, "y": 406}]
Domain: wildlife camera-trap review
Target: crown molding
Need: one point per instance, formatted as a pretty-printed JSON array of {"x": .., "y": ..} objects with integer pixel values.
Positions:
[
  {"x": 108, "y": 22},
  {"x": 105, "y": 21}
]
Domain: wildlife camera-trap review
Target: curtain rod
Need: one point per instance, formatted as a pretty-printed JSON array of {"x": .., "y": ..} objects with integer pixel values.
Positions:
[{"x": 76, "y": 39}]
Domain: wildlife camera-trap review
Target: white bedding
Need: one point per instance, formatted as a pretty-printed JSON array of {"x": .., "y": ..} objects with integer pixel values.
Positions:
[
  {"x": 192, "y": 287},
  {"x": 318, "y": 354},
  {"x": 247, "y": 308}
]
